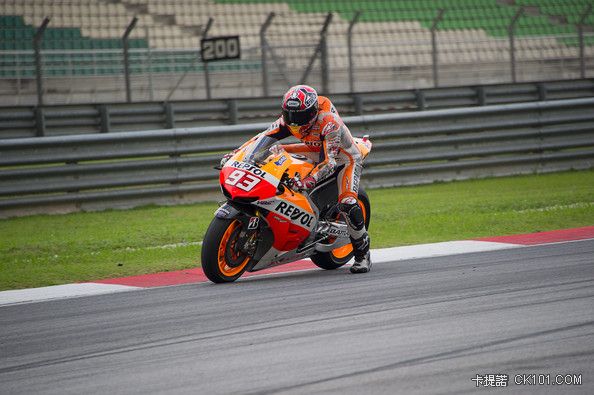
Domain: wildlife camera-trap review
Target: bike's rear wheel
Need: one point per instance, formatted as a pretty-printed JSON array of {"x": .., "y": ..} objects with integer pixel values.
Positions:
[
  {"x": 341, "y": 255},
  {"x": 222, "y": 261}
]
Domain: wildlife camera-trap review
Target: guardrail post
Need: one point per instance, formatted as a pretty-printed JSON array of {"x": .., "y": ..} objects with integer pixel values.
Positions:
[
  {"x": 206, "y": 71},
  {"x": 421, "y": 100},
  {"x": 350, "y": 49},
  {"x": 105, "y": 121},
  {"x": 40, "y": 121},
  {"x": 125, "y": 45},
  {"x": 512, "y": 45},
  {"x": 581, "y": 40},
  {"x": 233, "y": 111},
  {"x": 169, "y": 115},
  {"x": 436, "y": 21},
  {"x": 542, "y": 91},
  {"x": 481, "y": 96},
  {"x": 358, "y": 101},
  {"x": 264, "y": 54},
  {"x": 37, "y": 39}
]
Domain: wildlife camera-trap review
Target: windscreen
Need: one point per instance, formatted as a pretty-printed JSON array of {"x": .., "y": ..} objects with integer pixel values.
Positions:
[{"x": 260, "y": 149}]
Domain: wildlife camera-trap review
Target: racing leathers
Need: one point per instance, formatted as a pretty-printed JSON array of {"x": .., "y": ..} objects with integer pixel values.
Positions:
[{"x": 330, "y": 144}]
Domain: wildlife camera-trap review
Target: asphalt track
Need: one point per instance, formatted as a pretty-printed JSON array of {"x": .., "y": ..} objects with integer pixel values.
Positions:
[{"x": 416, "y": 326}]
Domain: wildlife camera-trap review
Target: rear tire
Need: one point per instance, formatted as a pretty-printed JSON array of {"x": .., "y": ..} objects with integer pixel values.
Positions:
[
  {"x": 221, "y": 262},
  {"x": 328, "y": 260}
]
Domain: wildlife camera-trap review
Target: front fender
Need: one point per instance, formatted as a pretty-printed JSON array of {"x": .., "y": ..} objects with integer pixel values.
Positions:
[{"x": 226, "y": 211}]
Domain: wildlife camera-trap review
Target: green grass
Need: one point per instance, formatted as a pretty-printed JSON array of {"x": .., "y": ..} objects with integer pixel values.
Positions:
[{"x": 57, "y": 249}]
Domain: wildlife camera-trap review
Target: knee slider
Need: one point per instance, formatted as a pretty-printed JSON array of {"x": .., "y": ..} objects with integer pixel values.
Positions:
[{"x": 354, "y": 215}]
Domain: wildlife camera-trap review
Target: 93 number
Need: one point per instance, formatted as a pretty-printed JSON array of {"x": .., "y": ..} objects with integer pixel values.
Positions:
[{"x": 242, "y": 180}]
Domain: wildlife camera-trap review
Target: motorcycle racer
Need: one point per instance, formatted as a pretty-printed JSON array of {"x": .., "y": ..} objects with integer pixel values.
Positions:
[{"x": 328, "y": 142}]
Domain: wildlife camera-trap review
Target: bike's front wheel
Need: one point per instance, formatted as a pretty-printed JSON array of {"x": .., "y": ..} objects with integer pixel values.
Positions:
[{"x": 222, "y": 260}]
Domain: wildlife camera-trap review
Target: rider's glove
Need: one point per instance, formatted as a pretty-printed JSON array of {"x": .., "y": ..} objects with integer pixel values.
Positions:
[
  {"x": 226, "y": 157},
  {"x": 307, "y": 183},
  {"x": 277, "y": 149}
]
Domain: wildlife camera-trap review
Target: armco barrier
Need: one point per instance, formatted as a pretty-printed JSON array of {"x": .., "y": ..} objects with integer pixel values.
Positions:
[
  {"x": 68, "y": 173},
  {"x": 16, "y": 122}
]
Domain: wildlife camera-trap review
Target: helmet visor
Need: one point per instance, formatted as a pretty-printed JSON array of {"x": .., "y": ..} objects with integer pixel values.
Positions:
[{"x": 299, "y": 118}]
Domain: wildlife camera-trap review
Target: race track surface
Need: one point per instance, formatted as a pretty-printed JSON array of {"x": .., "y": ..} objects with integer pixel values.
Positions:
[{"x": 415, "y": 326}]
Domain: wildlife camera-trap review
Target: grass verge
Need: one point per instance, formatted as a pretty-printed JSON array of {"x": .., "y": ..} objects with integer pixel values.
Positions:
[{"x": 56, "y": 249}]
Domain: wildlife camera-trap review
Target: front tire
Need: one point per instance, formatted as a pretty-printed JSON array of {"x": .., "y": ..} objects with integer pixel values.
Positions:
[
  {"x": 221, "y": 261},
  {"x": 340, "y": 256}
]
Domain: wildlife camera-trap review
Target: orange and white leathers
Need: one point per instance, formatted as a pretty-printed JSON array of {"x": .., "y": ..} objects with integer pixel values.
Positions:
[{"x": 329, "y": 143}]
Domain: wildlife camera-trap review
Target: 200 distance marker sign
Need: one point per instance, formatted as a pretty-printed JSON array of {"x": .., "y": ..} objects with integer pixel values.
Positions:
[{"x": 220, "y": 48}]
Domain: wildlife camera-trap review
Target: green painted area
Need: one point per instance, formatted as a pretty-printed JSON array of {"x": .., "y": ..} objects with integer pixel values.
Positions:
[
  {"x": 488, "y": 15},
  {"x": 56, "y": 249}
]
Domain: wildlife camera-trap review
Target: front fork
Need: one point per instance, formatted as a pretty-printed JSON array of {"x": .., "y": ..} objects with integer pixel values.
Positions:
[{"x": 253, "y": 230}]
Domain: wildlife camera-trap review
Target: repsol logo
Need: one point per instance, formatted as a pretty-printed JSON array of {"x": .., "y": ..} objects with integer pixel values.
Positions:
[
  {"x": 250, "y": 168},
  {"x": 295, "y": 213}
]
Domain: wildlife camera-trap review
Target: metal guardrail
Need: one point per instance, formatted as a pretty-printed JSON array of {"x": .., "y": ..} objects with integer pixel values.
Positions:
[
  {"x": 16, "y": 122},
  {"x": 67, "y": 173}
]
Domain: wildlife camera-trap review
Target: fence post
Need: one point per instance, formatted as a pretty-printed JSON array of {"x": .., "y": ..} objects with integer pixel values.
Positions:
[
  {"x": 206, "y": 71},
  {"x": 581, "y": 39},
  {"x": 350, "y": 48},
  {"x": 324, "y": 55},
  {"x": 38, "y": 64},
  {"x": 150, "y": 65},
  {"x": 512, "y": 45},
  {"x": 436, "y": 21},
  {"x": 125, "y": 37},
  {"x": 319, "y": 49},
  {"x": 264, "y": 49}
]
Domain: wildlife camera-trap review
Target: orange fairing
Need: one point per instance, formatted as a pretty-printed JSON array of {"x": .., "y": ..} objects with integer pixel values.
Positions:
[
  {"x": 299, "y": 166},
  {"x": 278, "y": 165},
  {"x": 291, "y": 219}
]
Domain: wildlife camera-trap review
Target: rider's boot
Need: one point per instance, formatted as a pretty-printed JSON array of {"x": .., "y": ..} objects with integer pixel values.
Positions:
[
  {"x": 358, "y": 234},
  {"x": 362, "y": 256}
]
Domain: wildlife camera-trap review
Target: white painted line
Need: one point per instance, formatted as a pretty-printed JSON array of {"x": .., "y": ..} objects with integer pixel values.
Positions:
[
  {"x": 59, "y": 292},
  {"x": 436, "y": 249}
]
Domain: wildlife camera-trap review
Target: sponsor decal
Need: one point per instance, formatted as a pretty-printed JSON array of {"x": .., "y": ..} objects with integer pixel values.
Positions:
[
  {"x": 280, "y": 161},
  {"x": 222, "y": 212},
  {"x": 295, "y": 214},
  {"x": 275, "y": 125},
  {"x": 255, "y": 170},
  {"x": 313, "y": 143},
  {"x": 249, "y": 168},
  {"x": 254, "y": 222},
  {"x": 356, "y": 176},
  {"x": 293, "y": 104},
  {"x": 337, "y": 232}
]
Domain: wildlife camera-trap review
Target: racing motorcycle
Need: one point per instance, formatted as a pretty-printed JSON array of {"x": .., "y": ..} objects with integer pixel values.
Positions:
[{"x": 268, "y": 221}]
